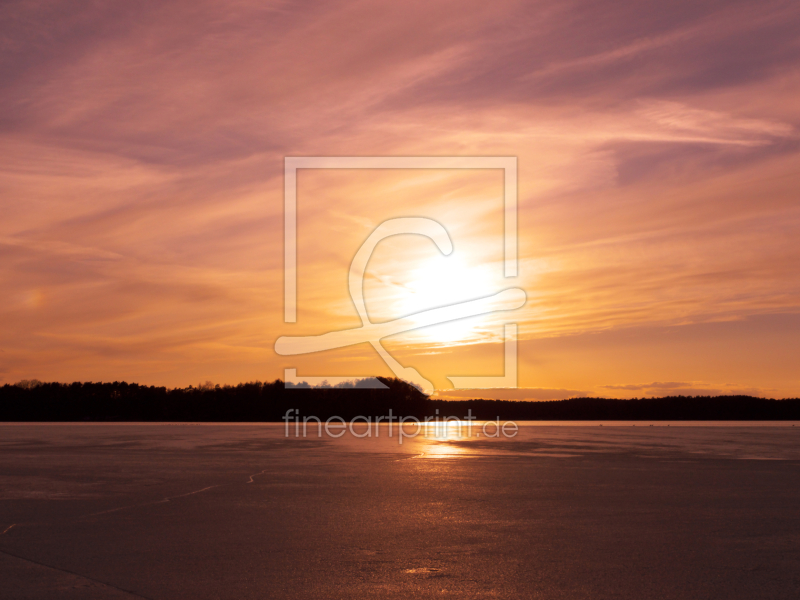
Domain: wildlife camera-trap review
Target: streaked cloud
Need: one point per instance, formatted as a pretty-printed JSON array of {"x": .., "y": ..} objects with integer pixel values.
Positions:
[
  {"x": 511, "y": 394},
  {"x": 141, "y": 183},
  {"x": 687, "y": 388}
]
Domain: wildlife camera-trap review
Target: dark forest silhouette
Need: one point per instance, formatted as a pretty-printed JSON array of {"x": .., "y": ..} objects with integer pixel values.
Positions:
[{"x": 257, "y": 401}]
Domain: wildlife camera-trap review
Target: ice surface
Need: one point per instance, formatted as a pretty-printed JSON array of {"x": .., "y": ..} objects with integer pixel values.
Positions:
[{"x": 241, "y": 511}]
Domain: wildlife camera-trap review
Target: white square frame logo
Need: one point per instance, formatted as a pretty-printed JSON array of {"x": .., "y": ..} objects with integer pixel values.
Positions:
[{"x": 508, "y": 164}]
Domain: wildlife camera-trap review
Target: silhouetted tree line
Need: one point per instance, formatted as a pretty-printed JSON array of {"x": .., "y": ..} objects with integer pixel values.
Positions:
[
  {"x": 257, "y": 401},
  {"x": 670, "y": 408}
]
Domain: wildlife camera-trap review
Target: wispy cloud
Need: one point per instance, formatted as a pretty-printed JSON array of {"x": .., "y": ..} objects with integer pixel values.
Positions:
[
  {"x": 512, "y": 394},
  {"x": 141, "y": 178},
  {"x": 688, "y": 388}
]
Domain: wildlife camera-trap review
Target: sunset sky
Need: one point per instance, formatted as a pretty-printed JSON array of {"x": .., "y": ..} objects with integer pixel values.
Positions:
[{"x": 142, "y": 152}]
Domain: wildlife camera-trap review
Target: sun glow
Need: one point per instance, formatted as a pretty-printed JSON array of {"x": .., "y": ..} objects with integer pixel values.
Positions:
[{"x": 441, "y": 282}]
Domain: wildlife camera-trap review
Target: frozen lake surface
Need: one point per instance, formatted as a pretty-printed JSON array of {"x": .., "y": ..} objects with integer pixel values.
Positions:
[{"x": 573, "y": 511}]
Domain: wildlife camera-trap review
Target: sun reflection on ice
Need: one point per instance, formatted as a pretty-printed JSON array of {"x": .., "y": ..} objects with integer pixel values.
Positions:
[{"x": 438, "y": 436}]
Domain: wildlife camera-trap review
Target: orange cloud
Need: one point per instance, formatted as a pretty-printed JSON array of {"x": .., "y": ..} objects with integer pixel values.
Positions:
[{"x": 141, "y": 187}]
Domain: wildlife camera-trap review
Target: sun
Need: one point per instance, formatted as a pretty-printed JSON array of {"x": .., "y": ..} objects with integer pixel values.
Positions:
[{"x": 444, "y": 281}]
